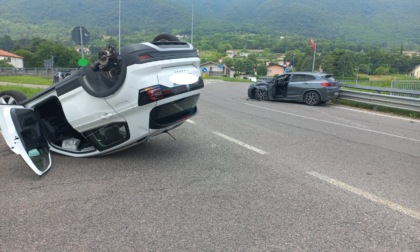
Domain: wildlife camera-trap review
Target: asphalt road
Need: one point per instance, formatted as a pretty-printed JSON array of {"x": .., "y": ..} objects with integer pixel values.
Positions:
[{"x": 242, "y": 175}]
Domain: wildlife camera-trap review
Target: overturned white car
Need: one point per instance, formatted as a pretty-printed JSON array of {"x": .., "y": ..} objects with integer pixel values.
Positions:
[{"x": 121, "y": 100}]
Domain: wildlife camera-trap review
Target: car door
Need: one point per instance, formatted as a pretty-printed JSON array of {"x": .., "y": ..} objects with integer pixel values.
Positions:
[
  {"x": 22, "y": 132},
  {"x": 297, "y": 86},
  {"x": 84, "y": 111}
]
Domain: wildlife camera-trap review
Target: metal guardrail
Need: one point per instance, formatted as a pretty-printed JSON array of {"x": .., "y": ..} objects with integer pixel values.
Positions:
[{"x": 383, "y": 100}]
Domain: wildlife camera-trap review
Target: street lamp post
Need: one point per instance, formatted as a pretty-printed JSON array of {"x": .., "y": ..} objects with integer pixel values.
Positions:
[{"x": 368, "y": 66}]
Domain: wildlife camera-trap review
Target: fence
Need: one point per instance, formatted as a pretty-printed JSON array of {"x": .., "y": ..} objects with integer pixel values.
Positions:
[
  {"x": 46, "y": 72},
  {"x": 407, "y": 85}
]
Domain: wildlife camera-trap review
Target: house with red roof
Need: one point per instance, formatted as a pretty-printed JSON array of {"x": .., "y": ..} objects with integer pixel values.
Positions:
[
  {"x": 12, "y": 59},
  {"x": 275, "y": 69}
]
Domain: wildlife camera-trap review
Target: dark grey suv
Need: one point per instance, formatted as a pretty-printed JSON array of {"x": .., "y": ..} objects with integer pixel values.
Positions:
[{"x": 308, "y": 87}]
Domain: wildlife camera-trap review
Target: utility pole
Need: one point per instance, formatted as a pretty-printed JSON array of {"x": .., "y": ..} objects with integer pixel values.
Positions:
[
  {"x": 313, "y": 61},
  {"x": 192, "y": 21},
  {"x": 119, "y": 26},
  {"x": 314, "y": 49}
]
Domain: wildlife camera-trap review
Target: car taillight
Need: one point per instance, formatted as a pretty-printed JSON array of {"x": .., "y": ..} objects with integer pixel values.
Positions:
[
  {"x": 327, "y": 84},
  {"x": 150, "y": 94},
  {"x": 145, "y": 57}
]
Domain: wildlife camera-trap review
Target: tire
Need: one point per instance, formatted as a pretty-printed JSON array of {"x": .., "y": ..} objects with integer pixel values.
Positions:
[
  {"x": 11, "y": 97},
  {"x": 165, "y": 37},
  {"x": 312, "y": 98},
  {"x": 261, "y": 95}
]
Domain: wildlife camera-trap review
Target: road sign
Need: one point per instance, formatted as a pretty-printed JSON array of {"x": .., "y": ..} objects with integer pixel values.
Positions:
[
  {"x": 204, "y": 69},
  {"x": 220, "y": 66},
  {"x": 286, "y": 69},
  {"x": 80, "y": 35}
]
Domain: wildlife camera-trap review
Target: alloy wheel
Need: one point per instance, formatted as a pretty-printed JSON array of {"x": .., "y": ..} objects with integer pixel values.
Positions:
[
  {"x": 312, "y": 98},
  {"x": 260, "y": 95},
  {"x": 7, "y": 100}
]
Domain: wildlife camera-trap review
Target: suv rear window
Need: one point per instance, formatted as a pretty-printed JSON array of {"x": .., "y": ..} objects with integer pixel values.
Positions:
[{"x": 329, "y": 78}]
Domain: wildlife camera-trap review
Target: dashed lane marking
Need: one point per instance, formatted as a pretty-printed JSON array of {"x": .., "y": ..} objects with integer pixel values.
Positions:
[
  {"x": 367, "y": 195},
  {"x": 240, "y": 143}
]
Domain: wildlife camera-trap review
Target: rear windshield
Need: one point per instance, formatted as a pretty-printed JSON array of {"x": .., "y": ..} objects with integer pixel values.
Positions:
[{"x": 329, "y": 77}]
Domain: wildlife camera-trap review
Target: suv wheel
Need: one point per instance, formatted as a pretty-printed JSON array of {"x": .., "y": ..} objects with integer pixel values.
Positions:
[
  {"x": 261, "y": 95},
  {"x": 312, "y": 98},
  {"x": 11, "y": 97}
]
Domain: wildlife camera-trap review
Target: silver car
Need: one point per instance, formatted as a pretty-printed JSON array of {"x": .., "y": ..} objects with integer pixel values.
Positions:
[{"x": 308, "y": 87}]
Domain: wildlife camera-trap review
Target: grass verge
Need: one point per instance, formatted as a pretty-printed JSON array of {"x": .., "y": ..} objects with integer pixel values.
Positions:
[{"x": 26, "y": 80}]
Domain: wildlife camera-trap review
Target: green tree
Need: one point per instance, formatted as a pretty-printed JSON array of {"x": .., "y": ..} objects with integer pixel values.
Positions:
[
  {"x": 261, "y": 70},
  {"x": 244, "y": 66},
  {"x": 382, "y": 70},
  {"x": 294, "y": 56},
  {"x": 63, "y": 56},
  {"x": 4, "y": 63},
  {"x": 28, "y": 57},
  {"x": 328, "y": 62},
  {"x": 228, "y": 61},
  {"x": 339, "y": 62},
  {"x": 345, "y": 63},
  {"x": 305, "y": 64},
  {"x": 222, "y": 47},
  {"x": 253, "y": 57},
  {"x": 6, "y": 43}
]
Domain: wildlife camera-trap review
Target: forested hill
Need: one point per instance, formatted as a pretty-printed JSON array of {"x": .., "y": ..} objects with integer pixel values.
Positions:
[{"x": 382, "y": 22}]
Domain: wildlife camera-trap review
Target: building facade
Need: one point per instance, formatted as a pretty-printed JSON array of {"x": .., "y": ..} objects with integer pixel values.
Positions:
[
  {"x": 213, "y": 69},
  {"x": 13, "y": 59},
  {"x": 416, "y": 72}
]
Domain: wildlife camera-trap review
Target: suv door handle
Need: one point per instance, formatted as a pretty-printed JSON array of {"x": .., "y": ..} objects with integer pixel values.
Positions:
[{"x": 106, "y": 116}]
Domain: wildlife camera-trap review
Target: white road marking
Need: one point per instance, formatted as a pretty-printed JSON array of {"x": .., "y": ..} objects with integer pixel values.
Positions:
[
  {"x": 368, "y": 196},
  {"x": 378, "y": 114},
  {"x": 190, "y": 121},
  {"x": 240, "y": 143},
  {"x": 339, "y": 124}
]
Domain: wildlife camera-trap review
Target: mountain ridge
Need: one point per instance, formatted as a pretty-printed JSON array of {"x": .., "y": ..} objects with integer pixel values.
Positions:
[{"x": 375, "y": 21}]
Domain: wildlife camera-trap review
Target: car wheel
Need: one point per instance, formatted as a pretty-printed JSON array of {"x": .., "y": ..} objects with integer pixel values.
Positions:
[
  {"x": 312, "y": 98},
  {"x": 11, "y": 97},
  {"x": 260, "y": 95},
  {"x": 165, "y": 37}
]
